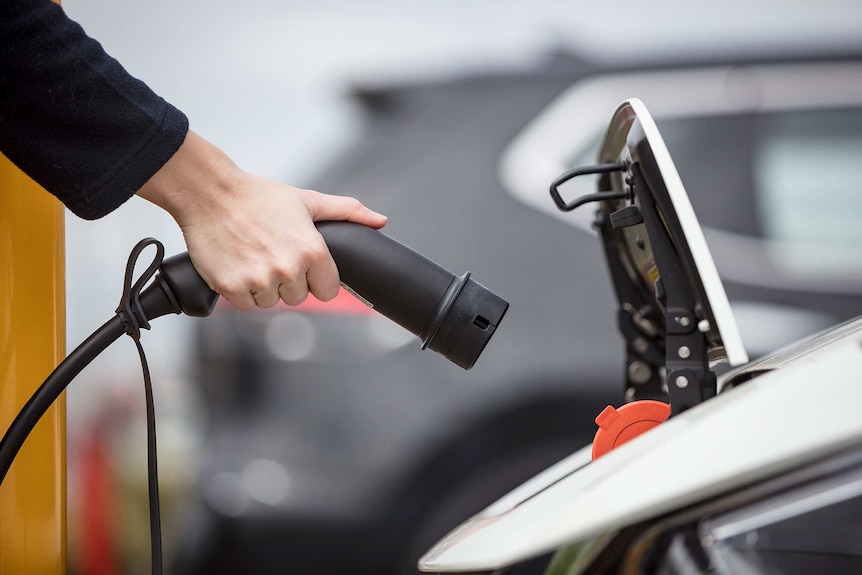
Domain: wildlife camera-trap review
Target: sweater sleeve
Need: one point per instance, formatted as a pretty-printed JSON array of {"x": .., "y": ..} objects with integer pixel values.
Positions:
[{"x": 71, "y": 117}]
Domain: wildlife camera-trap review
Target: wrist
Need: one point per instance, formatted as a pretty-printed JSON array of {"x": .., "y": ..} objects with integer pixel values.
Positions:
[{"x": 194, "y": 182}]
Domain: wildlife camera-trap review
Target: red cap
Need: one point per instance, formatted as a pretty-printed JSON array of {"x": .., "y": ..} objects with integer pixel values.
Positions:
[{"x": 617, "y": 426}]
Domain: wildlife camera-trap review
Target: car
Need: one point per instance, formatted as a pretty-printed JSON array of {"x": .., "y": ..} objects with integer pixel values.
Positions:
[
  {"x": 334, "y": 445},
  {"x": 758, "y": 472}
]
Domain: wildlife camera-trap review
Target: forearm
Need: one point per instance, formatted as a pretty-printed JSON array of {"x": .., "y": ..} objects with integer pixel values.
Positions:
[{"x": 71, "y": 117}]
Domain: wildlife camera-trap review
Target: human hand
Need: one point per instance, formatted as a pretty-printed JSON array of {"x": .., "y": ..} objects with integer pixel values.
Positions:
[{"x": 252, "y": 239}]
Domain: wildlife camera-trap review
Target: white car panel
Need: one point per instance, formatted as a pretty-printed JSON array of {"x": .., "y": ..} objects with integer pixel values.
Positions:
[{"x": 777, "y": 421}]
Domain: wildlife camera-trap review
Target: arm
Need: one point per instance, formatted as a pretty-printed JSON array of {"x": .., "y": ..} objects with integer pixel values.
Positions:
[
  {"x": 76, "y": 122},
  {"x": 71, "y": 117}
]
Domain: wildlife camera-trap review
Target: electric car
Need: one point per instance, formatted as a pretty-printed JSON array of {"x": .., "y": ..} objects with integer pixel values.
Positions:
[
  {"x": 758, "y": 471},
  {"x": 334, "y": 445}
]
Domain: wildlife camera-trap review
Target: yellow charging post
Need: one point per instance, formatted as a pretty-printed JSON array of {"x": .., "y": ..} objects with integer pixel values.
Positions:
[{"x": 32, "y": 343}]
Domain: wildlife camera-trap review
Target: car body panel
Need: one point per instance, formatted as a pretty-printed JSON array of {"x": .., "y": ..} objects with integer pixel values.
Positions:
[{"x": 782, "y": 419}]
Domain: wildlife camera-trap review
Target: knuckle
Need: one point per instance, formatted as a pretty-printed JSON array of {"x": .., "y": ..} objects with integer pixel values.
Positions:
[
  {"x": 287, "y": 273},
  {"x": 226, "y": 287},
  {"x": 318, "y": 253},
  {"x": 311, "y": 197},
  {"x": 257, "y": 283},
  {"x": 238, "y": 290},
  {"x": 354, "y": 204}
]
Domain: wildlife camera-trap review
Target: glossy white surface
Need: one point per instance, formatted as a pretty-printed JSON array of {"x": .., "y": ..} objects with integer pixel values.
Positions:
[{"x": 800, "y": 411}]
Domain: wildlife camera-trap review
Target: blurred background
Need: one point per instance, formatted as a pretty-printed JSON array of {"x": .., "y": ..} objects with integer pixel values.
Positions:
[{"x": 321, "y": 439}]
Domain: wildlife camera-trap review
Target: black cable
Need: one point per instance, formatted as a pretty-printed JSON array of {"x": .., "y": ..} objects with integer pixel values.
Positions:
[
  {"x": 51, "y": 389},
  {"x": 131, "y": 317},
  {"x": 152, "y": 466},
  {"x": 134, "y": 318}
]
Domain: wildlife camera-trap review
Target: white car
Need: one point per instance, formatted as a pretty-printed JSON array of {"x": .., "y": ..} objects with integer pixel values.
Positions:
[{"x": 756, "y": 471}]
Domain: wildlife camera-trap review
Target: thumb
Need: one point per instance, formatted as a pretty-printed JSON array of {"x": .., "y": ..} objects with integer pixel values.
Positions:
[{"x": 325, "y": 207}]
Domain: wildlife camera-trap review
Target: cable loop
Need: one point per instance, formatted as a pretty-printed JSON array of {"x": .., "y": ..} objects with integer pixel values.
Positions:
[
  {"x": 133, "y": 319},
  {"x": 130, "y": 311}
]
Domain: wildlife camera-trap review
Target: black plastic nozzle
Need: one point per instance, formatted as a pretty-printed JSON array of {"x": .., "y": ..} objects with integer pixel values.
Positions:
[{"x": 453, "y": 315}]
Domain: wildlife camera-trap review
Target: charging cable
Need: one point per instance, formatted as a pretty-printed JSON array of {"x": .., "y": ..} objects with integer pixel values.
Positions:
[
  {"x": 452, "y": 315},
  {"x": 175, "y": 290},
  {"x": 133, "y": 319}
]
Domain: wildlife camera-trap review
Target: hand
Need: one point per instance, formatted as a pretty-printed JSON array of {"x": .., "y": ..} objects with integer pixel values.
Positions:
[{"x": 252, "y": 239}]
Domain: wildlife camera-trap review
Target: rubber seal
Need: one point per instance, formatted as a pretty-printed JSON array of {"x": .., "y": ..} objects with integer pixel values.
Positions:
[
  {"x": 619, "y": 426},
  {"x": 446, "y": 303}
]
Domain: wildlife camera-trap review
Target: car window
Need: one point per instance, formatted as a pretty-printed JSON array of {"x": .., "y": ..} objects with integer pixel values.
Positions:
[
  {"x": 807, "y": 188},
  {"x": 785, "y": 177}
]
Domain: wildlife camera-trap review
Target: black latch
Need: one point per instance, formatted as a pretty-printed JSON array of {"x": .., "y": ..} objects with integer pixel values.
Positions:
[
  {"x": 594, "y": 197},
  {"x": 627, "y": 216}
]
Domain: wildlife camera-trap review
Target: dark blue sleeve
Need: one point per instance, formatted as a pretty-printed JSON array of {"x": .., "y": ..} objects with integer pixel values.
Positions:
[{"x": 71, "y": 117}]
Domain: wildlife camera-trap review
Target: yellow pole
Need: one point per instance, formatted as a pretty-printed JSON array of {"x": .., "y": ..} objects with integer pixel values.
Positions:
[{"x": 32, "y": 343}]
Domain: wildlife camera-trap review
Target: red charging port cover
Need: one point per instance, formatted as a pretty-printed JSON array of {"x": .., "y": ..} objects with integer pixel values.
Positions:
[{"x": 617, "y": 426}]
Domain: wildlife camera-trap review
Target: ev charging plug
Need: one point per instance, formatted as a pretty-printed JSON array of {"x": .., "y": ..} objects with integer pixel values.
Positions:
[{"x": 453, "y": 315}]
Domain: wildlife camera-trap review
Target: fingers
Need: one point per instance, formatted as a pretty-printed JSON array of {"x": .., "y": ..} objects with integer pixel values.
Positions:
[
  {"x": 267, "y": 298},
  {"x": 282, "y": 281},
  {"x": 324, "y": 207},
  {"x": 318, "y": 275},
  {"x": 322, "y": 276},
  {"x": 292, "y": 293},
  {"x": 314, "y": 270},
  {"x": 310, "y": 271},
  {"x": 261, "y": 286},
  {"x": 240, "y": 297}
]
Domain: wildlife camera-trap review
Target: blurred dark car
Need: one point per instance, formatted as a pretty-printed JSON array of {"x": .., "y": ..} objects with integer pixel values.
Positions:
[{"x": 336, "y": 445}]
